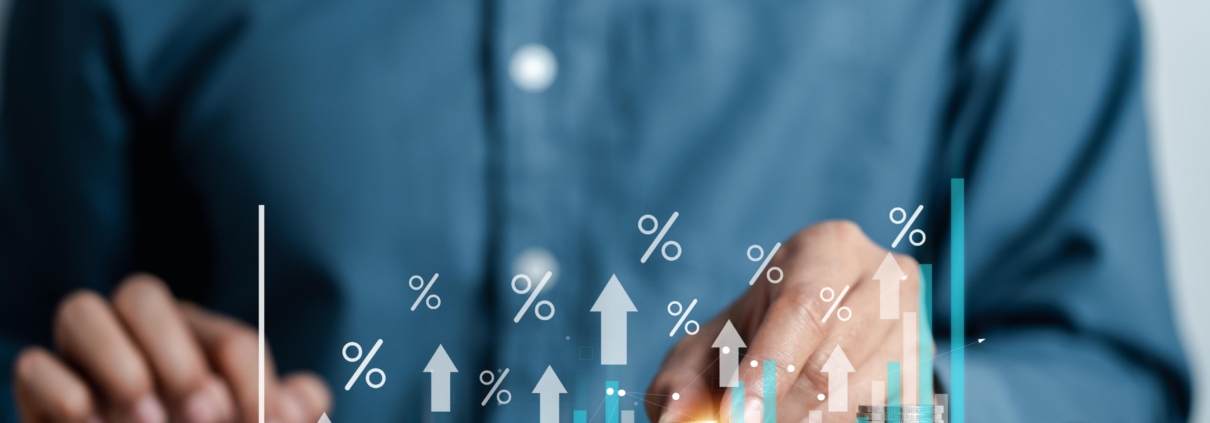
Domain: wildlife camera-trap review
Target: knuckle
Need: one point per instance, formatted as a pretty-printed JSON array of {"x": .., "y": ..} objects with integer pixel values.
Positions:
[
  {"x": 235, "y": 345},
  {"x": 817, "y": 380},
  {"x": 128, "y": 381},
  {"x": 72, "y": 403},
  {"x": 809, "y": 311}
]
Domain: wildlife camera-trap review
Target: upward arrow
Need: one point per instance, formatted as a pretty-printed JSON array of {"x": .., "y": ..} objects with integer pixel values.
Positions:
[
  {"x": 838, "y": 368},
  {"x": 323, "y": 418},
  {"x": 440, "y": 366},
  {"x": 613, "y": 304},
  {"x": 728, "y": 343},
  {"x": 548, "y": 391},
  {"x": 888, "y": 276}
]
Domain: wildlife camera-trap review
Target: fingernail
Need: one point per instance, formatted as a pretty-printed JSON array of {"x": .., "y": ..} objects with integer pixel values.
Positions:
[
  {"x": 149, "y": 410},
  {"x": 200, "y": 408},
  {"x": 753, "y": 407}
]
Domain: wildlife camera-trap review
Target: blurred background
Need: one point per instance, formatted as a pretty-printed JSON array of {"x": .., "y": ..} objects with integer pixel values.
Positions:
[{"x": 1178, "y": 70}]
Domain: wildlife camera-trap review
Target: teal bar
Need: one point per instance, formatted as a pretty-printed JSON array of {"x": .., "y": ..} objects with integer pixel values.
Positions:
[
  {"x": 737, "y": 402},
  {"x": 579, "y": 416},
  {"x": 770, "y": 391},
  {"x": 611, "y": 402},
  {"x": 926, "y": 334},
  {"x": 893, "y": 387},
  {"x": 957, "y": 300},
  {"x": 863, "y": 420}
]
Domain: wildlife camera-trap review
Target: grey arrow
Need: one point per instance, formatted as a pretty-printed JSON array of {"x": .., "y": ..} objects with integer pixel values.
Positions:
[
  {"x": 440, "y": 366},
  {"x": 548, "y": 391},
  {"x": 888, "y": 276},
  {"x": 728, "y": 344},
  {"x": 613, "y": 304},
  {"x": 838, "y": 368}
]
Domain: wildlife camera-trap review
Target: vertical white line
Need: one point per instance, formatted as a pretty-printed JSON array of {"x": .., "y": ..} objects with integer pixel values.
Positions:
[
  {"x": 911, "y": 348},
  {"x": 260, "y": 326},
  {"x": 878, "y": 393}
]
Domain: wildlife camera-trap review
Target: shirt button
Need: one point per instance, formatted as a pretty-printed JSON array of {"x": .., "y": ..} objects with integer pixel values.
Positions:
[
  {"x": 533, "y": 68},
  {"x": 535, "y": 262}
]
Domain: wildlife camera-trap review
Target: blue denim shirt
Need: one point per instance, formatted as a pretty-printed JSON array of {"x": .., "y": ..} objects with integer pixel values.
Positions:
[{"x": 386, "y": 138}]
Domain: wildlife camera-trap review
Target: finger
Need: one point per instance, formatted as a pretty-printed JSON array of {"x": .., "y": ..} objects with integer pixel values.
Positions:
[
  {"x": 830, "y": 254},
  {"x": 90, "y": 335},
  {"x": 232, "y": 350},
  {"x": 308, "y": 393},
  {"x": 212, "y": 403},
  {"x": 26, "y": 411},
  {"x": 683, "y": 389},
  {"x": 47, "y": 390},
  {"x": 151, "y": 316}
]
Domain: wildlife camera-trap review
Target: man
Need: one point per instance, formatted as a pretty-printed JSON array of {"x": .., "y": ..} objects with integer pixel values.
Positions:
[{"x": 473, "y": 141}]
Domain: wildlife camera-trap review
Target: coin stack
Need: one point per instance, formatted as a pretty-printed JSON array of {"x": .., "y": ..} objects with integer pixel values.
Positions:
[{"x": 901, "y": 413}]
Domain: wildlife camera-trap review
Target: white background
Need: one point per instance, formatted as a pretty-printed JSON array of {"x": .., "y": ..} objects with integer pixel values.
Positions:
[{"x": 1178, "y": 72}]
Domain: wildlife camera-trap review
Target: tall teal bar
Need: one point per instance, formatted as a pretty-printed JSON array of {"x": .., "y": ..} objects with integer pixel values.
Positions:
[
  {"x": 893, "y": 388},
  {"x": 957, "y": 300},
  {"x": 611, "y": 402},
  {"x": 926, "y": 334},
  {"x": 579, "y": 416},
  {"x": 737, "y": 402},
  {"x": 769, "y": 389}
]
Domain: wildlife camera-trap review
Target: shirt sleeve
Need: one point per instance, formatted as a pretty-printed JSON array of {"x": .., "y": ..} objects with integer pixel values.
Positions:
[
  {"x": 63, "y": 180},
  {"x": 1064, "y": 264}
]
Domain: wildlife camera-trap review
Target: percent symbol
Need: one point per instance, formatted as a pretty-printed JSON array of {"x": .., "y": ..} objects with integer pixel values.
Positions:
[
  {"x": 382, "y": 377},
  {"x": 431, "y": 301},
  {"x": 655, "y": 224},
  {"x": 529, "y": 286},
  {"x": 486, "y": 377},
  {"x": 760, "y": 254},
  {"x": 831, "y": 295},
  {"x": 684, "y": 313},
  {"x": 899, "y": 221}
]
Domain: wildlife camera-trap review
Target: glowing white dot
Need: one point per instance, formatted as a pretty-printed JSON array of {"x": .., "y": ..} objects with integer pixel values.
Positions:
[
  {"x": 790, "y": 368},
  {"x": 753, "y": 363},
  {"x": 726, "y": 350},
  {"x": 608, "y": 391},
  {"x": 533, "y": 67},
  {"x": 820, "y": 396},
  {"x": 676, "y": 396},
  {"x": 621, "y": 392}
]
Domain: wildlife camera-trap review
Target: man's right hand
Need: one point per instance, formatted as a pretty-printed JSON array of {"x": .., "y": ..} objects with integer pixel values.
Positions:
[{"x": 144, "y": 357}]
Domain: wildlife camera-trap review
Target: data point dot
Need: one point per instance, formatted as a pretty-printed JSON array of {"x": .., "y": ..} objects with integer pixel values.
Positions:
[
  {"x": 753, "y": 363},
  {"x": 676, "y": 396},
  {"x": 820, "y": 396},
  {"x": 790, "y": 368},
  {"x": 608, "y": 391}
]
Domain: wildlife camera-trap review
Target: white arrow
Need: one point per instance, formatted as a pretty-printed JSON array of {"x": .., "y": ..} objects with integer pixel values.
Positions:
[
  {"x": 323, "y": 418},
  {"x": 613, "y": 304},
  {"x": 888, "y": 276},
  {"x": 548, "y": 391},
  {"x": 838, "y": 368},
  {"x": 728, "y": 343},
  {"x": 440, "y": 366}
]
